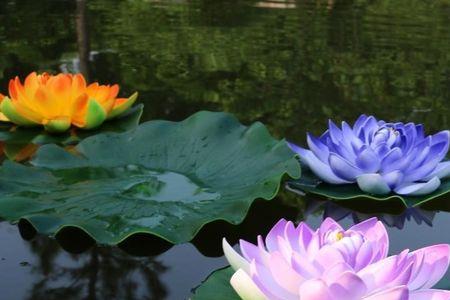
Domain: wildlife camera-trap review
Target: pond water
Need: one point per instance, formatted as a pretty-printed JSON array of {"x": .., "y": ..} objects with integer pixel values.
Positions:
[{"x": 290, "y": 64}]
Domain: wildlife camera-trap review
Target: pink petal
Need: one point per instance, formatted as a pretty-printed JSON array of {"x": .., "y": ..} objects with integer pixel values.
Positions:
[
  {"x": 373, "y": 230},
  {"x": 251, "y": 252},
  {"x": 305, "y": 234},
  {"x": 274, "y": 233},
  {"x": 392, "y": 271},
  {"x": 348, "y": 286},
  {"x": 395, "y": 293},
  {"x": 283, "y": 274},
  {"x": 329, "y": 225},
  {"x": 435, "y": 261},
  {"x": 333, "y": 273},
  {"x": 430, "y": 295},
  {"x": 364, "y": 256},
  {"x": 265, "y": 282},
  {"x": 326, "y": 257},
  {"x": 315, "y": 289}
]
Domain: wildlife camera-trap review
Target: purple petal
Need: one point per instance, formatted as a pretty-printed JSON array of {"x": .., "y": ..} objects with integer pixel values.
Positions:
[
  {"x": 359, "y": 123},
  {"x": 350, "y": 138},
  {"x": 234, "y": 259},
  {"x": 315, "y": 289},
  {"x": 373, "y": 184},
  {"x": 318, "y": 148},
  {"x": 335, "y": 132},
  {"x": 374, "y": 231},
  {"x": 441, "y": 137},
  {"x": 327, "y": 256},
  {"x": 303, "y": 266},
  {"x": 343, "y": 168},
  {"x": 442, "y": 171},
  {"x": 267, "y": 285},
  {"x": 274, "y": 233},
  {"x": 419, "y": 189},
  {"x": 251, "y": 252},
  {"x": 421, "y": 172},
  {"x": 305, "y": 236},
  {"x": 420, "y": 131},
  {"x": 321, "y": 170},
  {"x": 329, "y": 225},
  {"x": 332, "y": 273},
  {"x": 418, "y": 157},
  {"x": 348, "y": 286},
  {"x": 430, "y": 266},
  {"x": 364, "y": 256},
  {"x": 368, "y": 161},
  {"x": 395, "y": 293},
  {"x": 430, "y": 295},
  {"x": 393, "y": 179},
  {"x": 283, "y": 274},
  {"x": 392, "y": 160}
]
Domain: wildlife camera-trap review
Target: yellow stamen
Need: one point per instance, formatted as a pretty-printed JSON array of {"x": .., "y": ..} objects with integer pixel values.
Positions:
[{"x": 339, "y": 236}]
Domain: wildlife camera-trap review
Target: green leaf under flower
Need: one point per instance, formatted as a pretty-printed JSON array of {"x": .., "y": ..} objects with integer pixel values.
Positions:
[
  {"x": 217, "y": 286},
  {"x": 311, "y": 184},
  {"x": 162, "y": 178},
  {"x": 18, "y": 135}
]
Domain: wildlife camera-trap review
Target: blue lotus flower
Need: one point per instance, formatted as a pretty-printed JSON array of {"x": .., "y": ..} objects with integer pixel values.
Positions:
[{"x": 380, "y": 157}]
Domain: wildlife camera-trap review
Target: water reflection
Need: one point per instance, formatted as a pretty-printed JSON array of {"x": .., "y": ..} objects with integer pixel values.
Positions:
[
  {"x": 142, "y": 267},
  {"x": 334, "y": 210}
]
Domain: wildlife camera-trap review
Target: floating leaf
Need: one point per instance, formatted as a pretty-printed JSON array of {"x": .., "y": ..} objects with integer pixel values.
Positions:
[
  {"x": 24, "y": 136},
  {"x": 217, "y": 286},
  {"x": 311, "y": 184},
  {"x": 163, "y": 178}
]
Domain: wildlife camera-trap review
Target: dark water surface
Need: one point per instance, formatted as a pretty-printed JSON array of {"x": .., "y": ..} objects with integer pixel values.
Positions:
[{"x": 289, "y": 64}]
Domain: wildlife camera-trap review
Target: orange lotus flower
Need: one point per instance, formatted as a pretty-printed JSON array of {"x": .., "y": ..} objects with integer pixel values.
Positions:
[{"x": 59, "y": 101}]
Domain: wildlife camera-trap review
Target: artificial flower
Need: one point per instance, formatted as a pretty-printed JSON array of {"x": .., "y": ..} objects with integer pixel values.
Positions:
[{"x": 59, "y": 101}]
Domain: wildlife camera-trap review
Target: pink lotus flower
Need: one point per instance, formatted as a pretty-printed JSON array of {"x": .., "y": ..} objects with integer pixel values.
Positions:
[{"x": 335, "y": 264}]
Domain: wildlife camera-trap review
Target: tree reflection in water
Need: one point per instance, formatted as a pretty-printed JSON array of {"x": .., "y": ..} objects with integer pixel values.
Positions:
[{"x": 98, "y": 273}]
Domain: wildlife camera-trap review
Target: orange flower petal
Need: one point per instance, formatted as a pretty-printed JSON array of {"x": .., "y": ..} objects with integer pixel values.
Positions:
[
  {"x": 113, "y": 91},
  {"x": 31, "y": 84},
  {"x": 12, "y": 90},
  {"x": 120, "y": 101},
  {"x": 78, "y": 85},
  {"x": 27, "y": 113},
  {"x": 79, "y": 109}
]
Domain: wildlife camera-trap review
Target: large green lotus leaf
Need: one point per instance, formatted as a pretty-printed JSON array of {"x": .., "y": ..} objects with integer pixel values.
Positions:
[
  {"x": 311, "y": 184},
  {"x": 12, "y": 135},
  {"x": 217, "y": 286},
  {"x": 163, "y": 178}
]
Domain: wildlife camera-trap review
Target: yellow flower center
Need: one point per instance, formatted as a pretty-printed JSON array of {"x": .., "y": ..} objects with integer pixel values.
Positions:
[{"x": 339, "y": 236}]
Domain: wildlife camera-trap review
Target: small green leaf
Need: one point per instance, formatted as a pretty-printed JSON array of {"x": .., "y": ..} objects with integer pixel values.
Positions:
[
  {"x": 162, "y": 178},
  {"x": 217, "y": 286}
]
